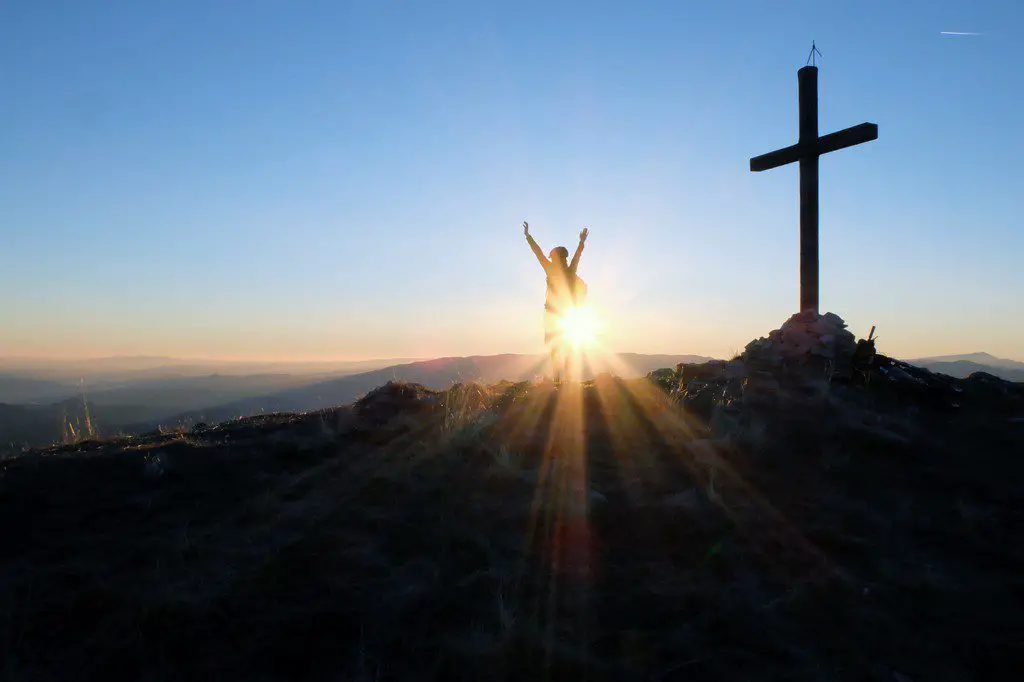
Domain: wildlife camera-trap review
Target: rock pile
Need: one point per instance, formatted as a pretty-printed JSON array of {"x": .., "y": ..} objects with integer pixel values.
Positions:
[
  {"x": 792, "y": 366},
  {"x": 814, "y": 371},
  {"x": 806, "y": 338}
]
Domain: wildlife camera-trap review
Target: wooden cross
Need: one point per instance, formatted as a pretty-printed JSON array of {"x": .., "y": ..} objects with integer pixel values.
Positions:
[{"x": 806, "y": 151}]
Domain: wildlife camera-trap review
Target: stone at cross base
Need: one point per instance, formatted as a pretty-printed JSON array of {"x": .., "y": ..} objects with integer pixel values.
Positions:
[{"x": 806, "y": 341}]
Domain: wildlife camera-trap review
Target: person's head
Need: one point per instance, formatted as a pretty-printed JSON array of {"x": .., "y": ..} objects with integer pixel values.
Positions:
[{"x": 560, "y": 256}]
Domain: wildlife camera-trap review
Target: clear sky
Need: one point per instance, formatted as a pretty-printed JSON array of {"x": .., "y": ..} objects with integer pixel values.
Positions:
[{"x": 256, "y": 179}]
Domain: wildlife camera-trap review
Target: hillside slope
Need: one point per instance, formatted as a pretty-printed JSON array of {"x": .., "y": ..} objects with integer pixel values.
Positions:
[
  {"x": 15, "y": 388},
  {"x": 865, "y": 530}
]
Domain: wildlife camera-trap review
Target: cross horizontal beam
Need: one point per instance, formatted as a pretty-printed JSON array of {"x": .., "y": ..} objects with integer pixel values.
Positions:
[
  {"x": 779, "y": 157},
  {"x": 865, "y": 132},
  {"x": 842, "y": 139}
]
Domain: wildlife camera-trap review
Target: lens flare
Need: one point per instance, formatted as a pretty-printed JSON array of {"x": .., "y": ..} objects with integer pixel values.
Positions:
[{"x": 579, "y": 327}]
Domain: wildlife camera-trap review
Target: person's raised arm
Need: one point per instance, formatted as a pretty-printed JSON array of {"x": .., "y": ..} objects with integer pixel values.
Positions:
[
  {"x": 579, "y": 251},
  {"x": 536, "y": 248}
]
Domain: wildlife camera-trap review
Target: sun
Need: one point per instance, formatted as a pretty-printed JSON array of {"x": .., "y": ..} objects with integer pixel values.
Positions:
[{"x": 579, "y": 327}]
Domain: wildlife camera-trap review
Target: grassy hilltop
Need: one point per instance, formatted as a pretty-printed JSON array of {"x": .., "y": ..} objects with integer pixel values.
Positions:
[{"x": 653, "y": 529}]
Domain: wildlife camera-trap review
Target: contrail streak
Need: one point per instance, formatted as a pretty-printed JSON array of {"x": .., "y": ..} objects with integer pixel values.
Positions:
[{"x": 960, "y": 33}]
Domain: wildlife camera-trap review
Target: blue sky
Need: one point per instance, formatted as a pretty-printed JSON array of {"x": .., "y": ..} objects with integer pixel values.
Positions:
[{"x": 346, "y": 180}]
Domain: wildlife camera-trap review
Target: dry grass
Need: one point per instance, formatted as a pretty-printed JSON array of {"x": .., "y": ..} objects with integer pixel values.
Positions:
[{"x": 78, "y": 429}]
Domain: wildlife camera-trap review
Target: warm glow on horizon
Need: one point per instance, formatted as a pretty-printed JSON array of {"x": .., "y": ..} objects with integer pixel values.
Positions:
[{"x": 502, "y": 329}]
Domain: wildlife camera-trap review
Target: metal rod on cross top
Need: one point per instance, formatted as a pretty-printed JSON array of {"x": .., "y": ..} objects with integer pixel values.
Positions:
[{"x": 807, "y": 150}]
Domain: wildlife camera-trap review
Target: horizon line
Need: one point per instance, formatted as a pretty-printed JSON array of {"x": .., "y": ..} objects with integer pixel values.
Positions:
[
  {"x": 304, "y": 361},
  {"x": 395, "y": 360}
]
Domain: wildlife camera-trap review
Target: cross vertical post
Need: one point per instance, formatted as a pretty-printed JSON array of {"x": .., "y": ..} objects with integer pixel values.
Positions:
[
  {"x": 807, "y": 78},
  {"x": 807, "y": 150}
]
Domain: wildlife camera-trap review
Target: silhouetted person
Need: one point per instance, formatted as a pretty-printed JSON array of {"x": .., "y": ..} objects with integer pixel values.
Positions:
[{"x": 560, "y": 295}]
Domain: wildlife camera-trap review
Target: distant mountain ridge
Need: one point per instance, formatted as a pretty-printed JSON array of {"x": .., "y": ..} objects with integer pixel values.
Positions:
[
  {"x": 980, "y": 358},
  {"x": 438, "y": 374},
  {"x": 144, "y": 402},
  {"x": 109, "y": 369},
  {"x": 129, "y": 380},
  {"x": 963, "y": 365}
]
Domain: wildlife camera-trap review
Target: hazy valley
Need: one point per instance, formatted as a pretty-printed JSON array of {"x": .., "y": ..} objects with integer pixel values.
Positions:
[{"x": 43, "y": 404}]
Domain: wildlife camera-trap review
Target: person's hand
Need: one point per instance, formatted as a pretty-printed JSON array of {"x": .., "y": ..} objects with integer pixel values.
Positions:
[
  {"x": 583, "y": 234},
  {"x": 526, "y": 228}
]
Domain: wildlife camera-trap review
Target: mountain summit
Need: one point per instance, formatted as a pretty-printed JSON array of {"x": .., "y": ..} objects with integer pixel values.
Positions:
[{"x": 809, "y": 505}]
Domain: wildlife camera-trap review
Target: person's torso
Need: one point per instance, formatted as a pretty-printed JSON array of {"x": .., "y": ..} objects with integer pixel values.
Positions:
[{"x": 559, "y": 294}]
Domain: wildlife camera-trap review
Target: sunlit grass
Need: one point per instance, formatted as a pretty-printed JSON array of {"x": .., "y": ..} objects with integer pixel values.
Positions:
[{"x": 75, "y": 429}]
